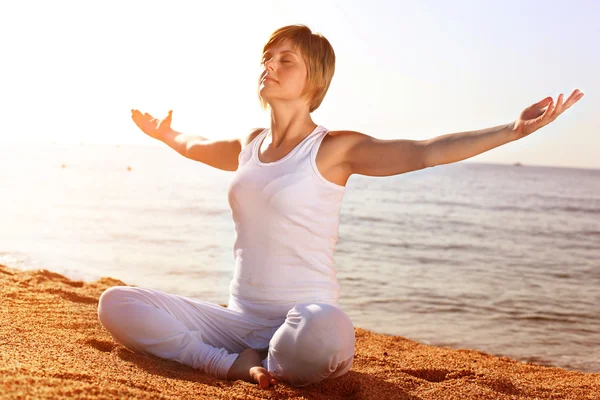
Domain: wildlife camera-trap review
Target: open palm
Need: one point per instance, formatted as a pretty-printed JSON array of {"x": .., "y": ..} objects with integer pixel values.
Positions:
[
  {"x": 151, "y": 126},
  {"x": 534, "y": 117}
]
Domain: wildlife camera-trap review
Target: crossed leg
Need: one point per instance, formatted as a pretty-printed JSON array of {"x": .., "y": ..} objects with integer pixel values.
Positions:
[
  {"x": 314, "y": 341},
  {"x": 196, "y": 333}
]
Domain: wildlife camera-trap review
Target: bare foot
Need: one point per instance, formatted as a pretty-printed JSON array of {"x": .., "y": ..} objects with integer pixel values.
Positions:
[{"x": 248, "y": 367}]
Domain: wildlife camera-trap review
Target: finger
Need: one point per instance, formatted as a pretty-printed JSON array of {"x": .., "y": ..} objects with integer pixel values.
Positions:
[
  {"x": 135, "y": 115},
  {"x": 573, "y": 98},
  {"x": 558, "y": 108},
  {"x": 546, "y": 113},
  {"x": 544, "y": 102},
  {"x": 577, "y": 98}
]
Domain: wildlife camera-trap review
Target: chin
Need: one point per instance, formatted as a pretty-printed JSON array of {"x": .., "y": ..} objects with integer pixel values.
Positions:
[{"x": 266, "y": 93}]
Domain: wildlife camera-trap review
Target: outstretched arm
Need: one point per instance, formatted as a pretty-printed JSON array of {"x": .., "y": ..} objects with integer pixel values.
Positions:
[
  {"x": 374, "y": 157},
  {"x": 455, "y": 147}
]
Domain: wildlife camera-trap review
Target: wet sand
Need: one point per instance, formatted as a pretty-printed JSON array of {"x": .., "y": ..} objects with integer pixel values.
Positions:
[{"x": 53, "y": 346}]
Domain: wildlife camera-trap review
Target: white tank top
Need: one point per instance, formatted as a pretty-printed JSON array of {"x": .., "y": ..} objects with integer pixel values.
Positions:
[{"x": 286, "y": 218}]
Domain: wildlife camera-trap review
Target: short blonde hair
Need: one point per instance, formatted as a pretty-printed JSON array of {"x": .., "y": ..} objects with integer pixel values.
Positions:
[{"x": 318, "y": 55}]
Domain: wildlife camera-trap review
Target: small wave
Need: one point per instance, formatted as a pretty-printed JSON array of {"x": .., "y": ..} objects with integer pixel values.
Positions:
[
  {"x": 367, "y": 218},
  {"x": 510, "y": 208},
  {"x": 363, "y": 218},
  {"x": 571, "y": 209},
  {"x": 549, "y": 317},
  {"x": 201, "y": 211},
  {"x": 374, "y": 244},
  {"x": 544, "y": 318},
  {"x": 538, "y": 360},
  {"x": 574, "y": 246},
  {"x": 24, "y": 262},
  {"x": 191, "y": 210},
  {"x": 590, "y": 233},
  {"x": 18, "y": 260},
  {"x": 134, "y": 237},
  {"x": 430, "y": 260},
  {"x": 163, "y": 241},
  {"x": 422, "y": 307},
  {"x": 432, "y": 247}
]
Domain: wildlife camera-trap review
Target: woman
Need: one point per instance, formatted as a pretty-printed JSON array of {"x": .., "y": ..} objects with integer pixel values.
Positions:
[{"x": 283, "y": 321}]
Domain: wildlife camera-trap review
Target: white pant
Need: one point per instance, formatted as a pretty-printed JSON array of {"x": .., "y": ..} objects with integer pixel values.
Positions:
[{"x": 307, "y": 344}]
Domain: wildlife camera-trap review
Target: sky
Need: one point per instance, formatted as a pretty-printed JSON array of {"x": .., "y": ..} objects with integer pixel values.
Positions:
[{"x": 71, "y": 71}]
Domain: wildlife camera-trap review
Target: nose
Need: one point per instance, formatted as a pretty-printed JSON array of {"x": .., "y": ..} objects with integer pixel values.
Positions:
[{"x": 269, "y": 65}]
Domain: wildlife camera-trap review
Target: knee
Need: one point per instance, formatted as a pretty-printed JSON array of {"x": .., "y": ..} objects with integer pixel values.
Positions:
[
  {"x": 110, "y": 298},
  {"x": 317, "y": 342},
  {"x": 324, "y": 328}
]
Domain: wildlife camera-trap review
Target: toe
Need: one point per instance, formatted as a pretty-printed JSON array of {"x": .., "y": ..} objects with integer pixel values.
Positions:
[{"x": 263, "y": 381}]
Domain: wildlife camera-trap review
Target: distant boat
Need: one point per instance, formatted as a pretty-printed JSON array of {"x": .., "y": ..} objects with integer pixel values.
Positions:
[{"x": 518, "y": 164}]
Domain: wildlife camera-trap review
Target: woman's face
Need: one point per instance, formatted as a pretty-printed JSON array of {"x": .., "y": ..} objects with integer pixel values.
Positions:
[{"x": 286, "y": 67}]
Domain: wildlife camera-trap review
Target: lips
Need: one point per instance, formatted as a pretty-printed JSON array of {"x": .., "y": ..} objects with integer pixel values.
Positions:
[{"x": 268, "y": 78}]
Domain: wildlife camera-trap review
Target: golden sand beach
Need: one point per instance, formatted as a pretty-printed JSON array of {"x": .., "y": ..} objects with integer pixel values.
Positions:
[{"x": 52, "y": 346}]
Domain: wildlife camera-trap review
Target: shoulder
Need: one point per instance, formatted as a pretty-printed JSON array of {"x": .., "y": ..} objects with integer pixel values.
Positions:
[
  {"x": 346, "y": 136},
  {"x": 344, "y": 140},
  {"x": 337, "y": 147}
]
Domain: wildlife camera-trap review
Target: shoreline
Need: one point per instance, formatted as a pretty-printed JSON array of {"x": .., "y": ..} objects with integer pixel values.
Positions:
[{"x": 53, "y": 346}]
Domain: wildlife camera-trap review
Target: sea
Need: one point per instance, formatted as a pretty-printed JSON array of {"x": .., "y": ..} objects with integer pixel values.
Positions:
[{"x": 503, "y": 259}]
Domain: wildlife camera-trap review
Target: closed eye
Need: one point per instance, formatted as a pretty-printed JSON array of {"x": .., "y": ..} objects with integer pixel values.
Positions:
[{"x": 284, "y": 61}]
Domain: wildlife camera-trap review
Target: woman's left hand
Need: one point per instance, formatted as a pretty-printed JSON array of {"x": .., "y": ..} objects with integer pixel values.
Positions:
[{"x": 534, "y": 117}]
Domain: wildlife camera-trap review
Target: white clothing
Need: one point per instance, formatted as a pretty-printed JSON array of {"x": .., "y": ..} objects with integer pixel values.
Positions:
[
  {"x": 284, "y": 293},
  {"x": 286, "y": 218},
  {"x": 310, "y": 343}
]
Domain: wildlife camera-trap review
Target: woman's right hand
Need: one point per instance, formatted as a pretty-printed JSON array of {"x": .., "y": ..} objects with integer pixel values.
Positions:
[{"x": 151, "y": 126}]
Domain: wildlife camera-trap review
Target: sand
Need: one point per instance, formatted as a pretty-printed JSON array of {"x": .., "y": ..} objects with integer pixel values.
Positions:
[{"x": 53, "y": 346}]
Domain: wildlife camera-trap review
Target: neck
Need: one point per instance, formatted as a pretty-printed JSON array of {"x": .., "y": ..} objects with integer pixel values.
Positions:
[{"x": 290, "y": 125}]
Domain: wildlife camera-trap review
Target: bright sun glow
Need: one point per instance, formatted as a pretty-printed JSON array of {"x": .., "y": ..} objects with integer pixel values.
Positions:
[{"x": 72, "y": 71}]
